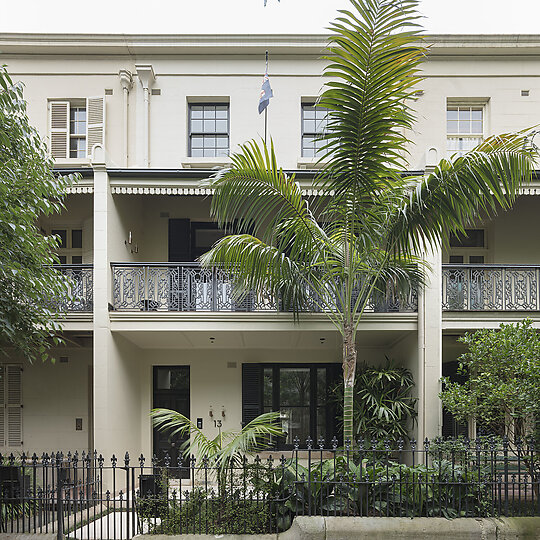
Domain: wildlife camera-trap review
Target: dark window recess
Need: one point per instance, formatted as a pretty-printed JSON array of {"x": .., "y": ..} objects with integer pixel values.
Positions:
[
  {"x": 300, "y": 392},
  {"x": 451, "y": 427},
  {"x": 473, "y": 238},
  {"x": 476, "y": 259},
  {"x": 76, "y": 238},
  {"x": 455, "y": 259},
  {"x": 179, "y": 240}
]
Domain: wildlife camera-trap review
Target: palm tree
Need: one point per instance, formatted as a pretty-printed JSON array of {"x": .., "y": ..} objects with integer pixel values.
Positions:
[
  {"x": 227, "y": 450},
  {"x": 360, "y": 236}
]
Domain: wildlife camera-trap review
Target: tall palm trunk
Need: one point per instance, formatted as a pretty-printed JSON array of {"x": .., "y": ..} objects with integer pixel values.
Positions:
[{"x": 349, "y": 371}]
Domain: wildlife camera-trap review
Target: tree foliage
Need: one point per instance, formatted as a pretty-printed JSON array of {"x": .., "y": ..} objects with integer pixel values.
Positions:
[
  {"x": 28, "y": 189},
  {"x": 384, "y": 408},
  {"x": 503, "y": 380},
  {"x": 364, "y": 232}
]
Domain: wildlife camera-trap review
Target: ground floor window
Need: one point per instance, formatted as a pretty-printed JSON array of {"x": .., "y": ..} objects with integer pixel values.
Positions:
[{"x": 302, "y": 393}]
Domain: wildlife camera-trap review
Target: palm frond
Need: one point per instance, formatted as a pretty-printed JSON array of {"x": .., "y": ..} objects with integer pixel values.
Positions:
[
  {"x": 177, "y": 424},
  {"x": 254, "y": 436},
  {"x": 485, "y": 180},
  {"x": 254, "y": 194},
  {"x": 373, "y": 57}
]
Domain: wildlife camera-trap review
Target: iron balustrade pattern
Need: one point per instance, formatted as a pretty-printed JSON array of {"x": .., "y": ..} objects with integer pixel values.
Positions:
[
  {"x": 490, "y": 287},
  {"x": 81, "y": 278},
  {"x": 86, "y": 496},
  {"x": 189, "y": 287}
]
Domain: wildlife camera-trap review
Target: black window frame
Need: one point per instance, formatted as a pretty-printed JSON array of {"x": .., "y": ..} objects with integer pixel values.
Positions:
[
  {"x": 330, "y": 407},
  {"x": 312, "y": 134},
  {"x": 202, "y": 133}
]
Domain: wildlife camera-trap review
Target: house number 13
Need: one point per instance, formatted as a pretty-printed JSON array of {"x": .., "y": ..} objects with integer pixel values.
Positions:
[{"x": 217, "y": 423}]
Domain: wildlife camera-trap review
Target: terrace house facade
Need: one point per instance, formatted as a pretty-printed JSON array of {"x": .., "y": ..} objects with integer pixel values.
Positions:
[{"x": 143, "y": 119}]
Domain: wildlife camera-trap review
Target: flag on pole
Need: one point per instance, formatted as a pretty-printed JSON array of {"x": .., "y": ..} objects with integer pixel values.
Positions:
[{"x": 266, "y": 90}]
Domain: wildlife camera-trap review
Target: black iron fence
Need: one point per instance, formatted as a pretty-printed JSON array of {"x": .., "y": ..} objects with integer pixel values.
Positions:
[
  {"x": 189, "y": 287},
  {"x": 87, "y": 496},
  {"x": 490, "y": 287},
  {"x": 81, "y": 278}
]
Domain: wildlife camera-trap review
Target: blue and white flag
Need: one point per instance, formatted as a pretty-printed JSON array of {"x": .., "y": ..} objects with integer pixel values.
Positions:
[{"x": 266, "y": 93}]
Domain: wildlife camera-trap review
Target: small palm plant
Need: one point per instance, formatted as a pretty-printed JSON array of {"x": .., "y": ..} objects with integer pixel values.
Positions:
[{"x": 228, "y": 449}]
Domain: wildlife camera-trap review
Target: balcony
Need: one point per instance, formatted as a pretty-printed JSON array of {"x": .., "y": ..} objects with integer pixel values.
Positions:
[
  {"x": 81, "y": 277},
  {"x": 186, "y": 287},
  {"x": 490, "y": 287}
]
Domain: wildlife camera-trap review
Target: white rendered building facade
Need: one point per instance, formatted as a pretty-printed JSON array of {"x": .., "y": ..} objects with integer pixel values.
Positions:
[{"x": 143, "y": 119}]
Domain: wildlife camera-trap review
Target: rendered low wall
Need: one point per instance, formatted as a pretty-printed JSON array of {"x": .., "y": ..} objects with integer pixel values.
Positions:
[{"x": 343, "y": 528}]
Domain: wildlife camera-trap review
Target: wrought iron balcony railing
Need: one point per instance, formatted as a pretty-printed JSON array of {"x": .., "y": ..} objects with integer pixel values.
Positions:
[
  {"x": 81, "y": 277},
  {"x": 490, "y": 287},
  {"x": 188, "y": 287}
]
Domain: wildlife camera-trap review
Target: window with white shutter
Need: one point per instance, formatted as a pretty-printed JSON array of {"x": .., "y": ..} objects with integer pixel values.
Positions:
[
  {"x": 76, "y": 126},
  {"x": 11, "y": 405},
  {"x": 59, "y": 126},
  {"x": 95, "y": 107}
]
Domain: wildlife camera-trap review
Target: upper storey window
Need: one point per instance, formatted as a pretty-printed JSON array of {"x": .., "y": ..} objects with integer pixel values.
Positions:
[
  {"x": 464, "y": 128},
  {"x": 208, "y": 130},
  {"x": 75, "y": 126},
  {"x": 314, "y": 124}
]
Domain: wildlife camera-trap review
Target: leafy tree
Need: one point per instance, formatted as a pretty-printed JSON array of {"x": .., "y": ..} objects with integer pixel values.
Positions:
[
  {"x": 503, "y": 380},
  {"x": 361, "y": 234},
  {"x": 28, "y": 189}
]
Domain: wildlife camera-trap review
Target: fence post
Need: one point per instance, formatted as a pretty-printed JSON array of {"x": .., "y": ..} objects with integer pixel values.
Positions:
[{"x": 59, "y": 498}]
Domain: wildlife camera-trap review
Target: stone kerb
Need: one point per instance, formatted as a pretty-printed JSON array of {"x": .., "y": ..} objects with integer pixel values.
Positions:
[{"x": 364, "y": 528}]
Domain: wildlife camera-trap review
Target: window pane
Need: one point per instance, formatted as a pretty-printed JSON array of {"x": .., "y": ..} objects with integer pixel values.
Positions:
[
  {"x": 209, "y": 126},
  {"x": 476, "y": 126},
  {"x": 476, "y": 114},
  {"x": 196, "y": 141},
  {"x": 209, "y": 142},
  {"x": 62, "y": 233},
  {"x": 309, "y": 112},
  {"x": 222, "y": 152},
  {"x": 451, "y": 126},
  {"x": 76, "y": 238},
  {"x": 294, "y": 386},
  {"x": 197, "y": 152},
  {"x": 209, "y": 152},
  {"x": 464, "y": 114},
  {"x": 267, "y": 387},
  {"x": 451, "y": 113},
  {"x": 196, "y": 126},
  {"x": 196, "y": 111},
  {"x": 222, "y": 111},
  {"x": 62, "y": 259},
  {"x": 221, "y": 126},
  {"x": 310, "y": 126},
  {"x": 222, "y": 142},
  {"x": 76, "y": 259},
  {"x": 321, "y": 423},
  {"x": 295, "y": 423},
  {"x": 321, "y": 386},
  {"x": 209, "y": 111}
]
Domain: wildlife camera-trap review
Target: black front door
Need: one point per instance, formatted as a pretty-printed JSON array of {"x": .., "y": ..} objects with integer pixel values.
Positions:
[{"x": 171, "y": 391}]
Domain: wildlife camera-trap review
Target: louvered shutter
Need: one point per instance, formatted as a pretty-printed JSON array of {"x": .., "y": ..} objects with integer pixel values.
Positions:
[
  {"x": 59, "y": 124},
  {"x": 251, "y": 392},
  {"x": 14, "y": 405},
  {"x": 95, "y": 126},
  {"x": 2, "y": 406}
]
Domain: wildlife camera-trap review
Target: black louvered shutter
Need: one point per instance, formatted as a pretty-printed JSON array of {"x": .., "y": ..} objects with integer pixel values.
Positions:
[
  {"x": 179, "y": 240},
  {"x": 251, "y": 392}
]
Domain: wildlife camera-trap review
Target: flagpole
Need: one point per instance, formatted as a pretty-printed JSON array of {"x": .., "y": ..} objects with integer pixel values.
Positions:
[{"x": 266, "y": 108}]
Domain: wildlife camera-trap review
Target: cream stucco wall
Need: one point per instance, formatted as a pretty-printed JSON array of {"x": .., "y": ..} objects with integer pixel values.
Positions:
[{"x": 53, "y": 397}]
